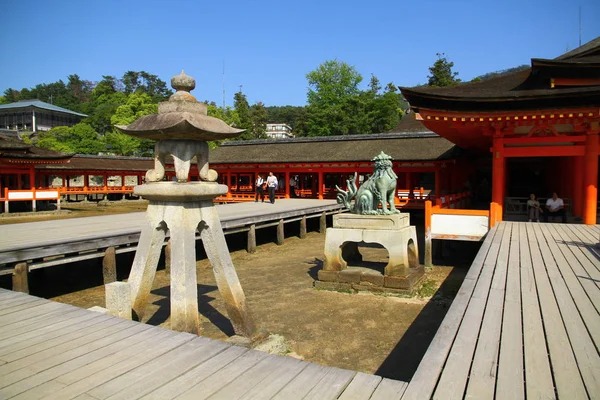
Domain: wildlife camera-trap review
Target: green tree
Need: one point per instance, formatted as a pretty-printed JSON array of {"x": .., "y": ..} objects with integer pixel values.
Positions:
[
  {"x": 332, "y": 82},
  {"x": 101, "y": 109},
  {"x": 441, "y": 73},
  {"x": 108, "y": 85},
  {"x": 390, "y": 87},
  {"x": 144, "y": 82},
  {"x": 79, "y": 139},
  {"x": 4, "y": 100},
  {"x": 332, "y": 92},
  {"x": 259, "y": 116},
  {"x": 137, "y": 105},
  {"x": 374, "y": 85},
  {"x": 240, "y": 104},
  {"x": 11, "y": 95}
]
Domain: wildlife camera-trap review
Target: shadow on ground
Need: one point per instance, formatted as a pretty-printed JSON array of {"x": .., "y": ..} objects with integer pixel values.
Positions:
[
  {"x": 212, "y": 315},
  {"x": 404, "y": 359}
]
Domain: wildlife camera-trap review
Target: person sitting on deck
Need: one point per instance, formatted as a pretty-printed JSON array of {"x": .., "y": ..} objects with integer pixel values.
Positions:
[
  {"x": 555, "y": 207},
  {"x": 533, "y": 208}
]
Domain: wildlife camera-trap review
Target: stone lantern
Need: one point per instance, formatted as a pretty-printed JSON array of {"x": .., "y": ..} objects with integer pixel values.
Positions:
[{"x": 183, "y": 208}]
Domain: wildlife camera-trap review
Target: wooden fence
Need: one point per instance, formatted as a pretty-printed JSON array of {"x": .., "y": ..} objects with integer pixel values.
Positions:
[{"x": 456, "y": 224}]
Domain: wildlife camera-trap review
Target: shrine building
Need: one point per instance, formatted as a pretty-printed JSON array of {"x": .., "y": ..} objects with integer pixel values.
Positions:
[
  {"x": 36, "y": 115},
  {"x": 539, "y": 127}
]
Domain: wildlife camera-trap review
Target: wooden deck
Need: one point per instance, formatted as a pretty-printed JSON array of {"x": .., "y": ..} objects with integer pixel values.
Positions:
[
  {"x": 525, "y": 323},
  {"x": 77, "y": 239},
  {"x": 55, "y": 351}
]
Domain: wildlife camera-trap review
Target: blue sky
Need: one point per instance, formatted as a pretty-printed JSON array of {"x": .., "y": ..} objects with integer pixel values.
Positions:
[{"x": 269, "y": 46}]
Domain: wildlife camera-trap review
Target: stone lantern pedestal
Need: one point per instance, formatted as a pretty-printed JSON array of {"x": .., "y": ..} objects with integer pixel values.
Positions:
[{"x": 183, "y": 208}]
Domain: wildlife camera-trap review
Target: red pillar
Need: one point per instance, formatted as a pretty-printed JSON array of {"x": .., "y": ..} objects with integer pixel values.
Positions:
[
  {"x": 31, "y": 178},
  {"x": 590, "y": 179},
  {"x": 321, "y": 185},
  {"x": 438, "y": 194},
  {"x": 578, "y": 169},
  {"x": 287, "y": 184},
  {"x": 228, "y": 183},
  {"x": 498, "y": 175}
]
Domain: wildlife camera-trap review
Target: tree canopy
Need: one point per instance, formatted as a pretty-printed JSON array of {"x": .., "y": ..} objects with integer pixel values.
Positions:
[
  {"x": 441, "y": 74},
  {"x": 337, "y": 105}
]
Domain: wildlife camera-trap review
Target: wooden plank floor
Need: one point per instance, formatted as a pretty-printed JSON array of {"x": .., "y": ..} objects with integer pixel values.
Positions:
[
  {"x": 20, "y": 242},
  {"x": 525, "y": 323},
  {"x": 56, "y": 351}
]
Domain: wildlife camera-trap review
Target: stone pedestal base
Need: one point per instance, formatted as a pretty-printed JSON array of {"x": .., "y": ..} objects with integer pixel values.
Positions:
[
  {"x": 393, "y": 232},
  {"x": 182, "y": 209}
]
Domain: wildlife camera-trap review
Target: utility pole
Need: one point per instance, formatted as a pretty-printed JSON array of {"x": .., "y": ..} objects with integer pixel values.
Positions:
[
  {"x": 223, "y": 84},
  {"x": 241, "y": 88},
  {"x": 579, "y": 26}
]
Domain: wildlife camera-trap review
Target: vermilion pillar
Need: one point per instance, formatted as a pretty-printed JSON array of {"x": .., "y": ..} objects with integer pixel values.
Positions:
[
  {"x": 287, "y": 184},
  {"x": 228, "y": 183},
  {"x": 321, "y": 185},
  {"x": 498, "y": 175},
  {"x": 438, "y": 194},
  {"x": 590, "y": 179}
]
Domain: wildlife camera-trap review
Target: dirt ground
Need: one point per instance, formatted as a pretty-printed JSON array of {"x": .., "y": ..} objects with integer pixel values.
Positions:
[
  {"x": 364, "y": 332},
  {"x": 76, "y": 210}
]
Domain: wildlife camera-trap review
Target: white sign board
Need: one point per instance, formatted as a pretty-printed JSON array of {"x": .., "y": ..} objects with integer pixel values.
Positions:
[
  {"x": 459, "y": 227},
  {"x": 20, "y": 195},
  {"x": 49, "y": 194}
]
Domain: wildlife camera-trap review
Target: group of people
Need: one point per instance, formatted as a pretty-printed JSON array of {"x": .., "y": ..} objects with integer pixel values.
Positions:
[
  {"x": 270, "y": 185},
  {"x": 555, "y": 207}
]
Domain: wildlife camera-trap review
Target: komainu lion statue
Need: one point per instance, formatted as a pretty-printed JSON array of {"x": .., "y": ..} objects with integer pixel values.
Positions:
[{"x": 379, "y": 189}]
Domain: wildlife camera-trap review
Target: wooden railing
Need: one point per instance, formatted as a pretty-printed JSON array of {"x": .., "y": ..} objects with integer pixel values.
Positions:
[
  {"x": 456, "y": 224},
  {"x": 89, "y": 190},
  {"x": 32, "y": 195}
]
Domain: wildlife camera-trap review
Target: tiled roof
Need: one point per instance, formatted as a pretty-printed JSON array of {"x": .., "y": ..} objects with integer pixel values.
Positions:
[
  {"x": 11, "y": 148},
  {"x": 38, "y": 104},
  {"x": 424, "y": 146},
  {"x": 525, "y": 89}
]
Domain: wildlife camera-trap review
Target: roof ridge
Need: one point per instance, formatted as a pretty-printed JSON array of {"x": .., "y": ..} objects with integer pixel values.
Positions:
[{"x": 308, "y": 139}]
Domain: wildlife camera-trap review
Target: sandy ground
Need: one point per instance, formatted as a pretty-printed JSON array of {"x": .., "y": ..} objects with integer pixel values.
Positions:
[{"x": 364, "y": 332}]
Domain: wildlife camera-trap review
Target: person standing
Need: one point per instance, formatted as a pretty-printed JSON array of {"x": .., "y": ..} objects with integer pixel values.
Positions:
[
  {"x": 293, "y": 185},
  {"x": 555, "y": 207},
  {"x": 272, "y": 186},
  {"x": 260, "y": 192}
]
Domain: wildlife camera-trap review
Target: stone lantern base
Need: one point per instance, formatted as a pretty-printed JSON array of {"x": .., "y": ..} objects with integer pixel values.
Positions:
[
  {"x": 393, "y": 232},
  {"x": 183, "y": 210}
]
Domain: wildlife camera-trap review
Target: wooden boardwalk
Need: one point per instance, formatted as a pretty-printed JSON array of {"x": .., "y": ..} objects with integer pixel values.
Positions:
[
  {"x": 77, "y": 239},
  {"x": 55, "y": 351},
  {"x": 525, "y": 323}
]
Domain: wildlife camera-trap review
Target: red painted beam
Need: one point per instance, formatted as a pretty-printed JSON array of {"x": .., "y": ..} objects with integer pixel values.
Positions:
[{"x": 544, "y": 151}]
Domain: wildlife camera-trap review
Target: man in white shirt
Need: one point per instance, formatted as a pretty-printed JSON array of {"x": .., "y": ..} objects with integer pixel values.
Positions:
[
  {"x": 556, "y": 208},
  {"x": 272, "y": 186},
  {"x": 259, "y": 189}
]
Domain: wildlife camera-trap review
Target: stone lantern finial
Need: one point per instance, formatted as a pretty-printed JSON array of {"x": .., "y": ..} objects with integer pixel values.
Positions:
[{"x": 183, "y": 84}]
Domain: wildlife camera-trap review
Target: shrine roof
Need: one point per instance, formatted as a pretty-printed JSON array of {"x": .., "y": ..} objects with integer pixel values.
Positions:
[
  {"x": 85, "y": 162},
  {"x": 425, "y": 146},
  {"x": 11, "y": 148},
  {"x": 37, "y": 104},
  {"x": 408, "y": 146},
  {"x": 522, "y": 90},
  {"x": 409, "y": 124}
]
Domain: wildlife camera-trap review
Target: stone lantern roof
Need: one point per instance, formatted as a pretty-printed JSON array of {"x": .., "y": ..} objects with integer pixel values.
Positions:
[{"x": 181, "y": 117}]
